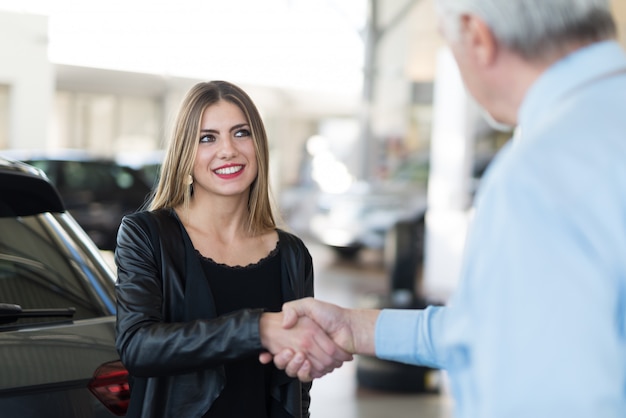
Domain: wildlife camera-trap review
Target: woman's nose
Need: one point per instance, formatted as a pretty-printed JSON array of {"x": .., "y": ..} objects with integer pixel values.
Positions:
[{"x": 227, "y": 149}]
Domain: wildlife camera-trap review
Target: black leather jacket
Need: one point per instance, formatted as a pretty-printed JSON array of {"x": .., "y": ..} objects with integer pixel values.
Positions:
[{"x": 168, "y": 334}]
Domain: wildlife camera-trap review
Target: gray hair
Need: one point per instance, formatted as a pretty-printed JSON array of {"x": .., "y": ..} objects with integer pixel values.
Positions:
[{"x": 534, "y": 29}]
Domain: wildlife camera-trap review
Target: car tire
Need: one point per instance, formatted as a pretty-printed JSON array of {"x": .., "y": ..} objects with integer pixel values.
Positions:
[
  {"x": 404, "y": 253},
  {"x": 376, "y": 374},
  {"x": 347, "y": 253}
]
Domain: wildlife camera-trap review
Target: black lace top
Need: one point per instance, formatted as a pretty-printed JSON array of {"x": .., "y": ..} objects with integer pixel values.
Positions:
[{"x": 257, "y": 285}]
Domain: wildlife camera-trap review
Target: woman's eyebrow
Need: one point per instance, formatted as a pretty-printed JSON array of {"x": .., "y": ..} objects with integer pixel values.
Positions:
[
  {"x": 234, "y": 128},
  {"x": 238, "y": 126}
]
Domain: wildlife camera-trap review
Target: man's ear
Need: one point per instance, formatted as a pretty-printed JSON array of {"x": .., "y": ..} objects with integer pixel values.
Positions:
[{"x": 479, "y": 39}]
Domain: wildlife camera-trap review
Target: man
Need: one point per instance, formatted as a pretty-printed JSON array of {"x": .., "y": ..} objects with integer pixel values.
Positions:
[{"x": 537, "y": 326}]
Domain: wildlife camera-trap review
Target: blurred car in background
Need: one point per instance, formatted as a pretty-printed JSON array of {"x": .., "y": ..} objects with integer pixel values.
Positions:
[
  {"x": 97, "y": 191},
  {"x": 363, "y": 216},
  {"x": 57, "y": 308},
  {"x": 147, "y": 163}
]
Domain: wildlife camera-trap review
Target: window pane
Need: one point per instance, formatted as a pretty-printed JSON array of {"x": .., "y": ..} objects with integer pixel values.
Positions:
[{"x": 35, "y": 273}]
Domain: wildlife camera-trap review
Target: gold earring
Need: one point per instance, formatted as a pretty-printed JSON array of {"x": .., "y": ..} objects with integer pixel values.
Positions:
[{"x": 189, "y": 181}]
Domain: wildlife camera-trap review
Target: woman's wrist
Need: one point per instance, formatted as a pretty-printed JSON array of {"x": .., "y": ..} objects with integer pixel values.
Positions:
[{"x": 268, "y": 323}]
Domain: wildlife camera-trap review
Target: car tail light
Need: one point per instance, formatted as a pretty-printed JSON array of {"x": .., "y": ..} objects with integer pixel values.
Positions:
[{"x": 110, "y": 385}]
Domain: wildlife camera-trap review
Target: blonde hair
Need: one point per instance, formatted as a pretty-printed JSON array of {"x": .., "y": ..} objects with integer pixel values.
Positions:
[{"x": 173, "y": 189}]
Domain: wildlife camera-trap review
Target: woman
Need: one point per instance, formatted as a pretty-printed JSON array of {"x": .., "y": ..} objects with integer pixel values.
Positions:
[{"x": 201, "y": 271}]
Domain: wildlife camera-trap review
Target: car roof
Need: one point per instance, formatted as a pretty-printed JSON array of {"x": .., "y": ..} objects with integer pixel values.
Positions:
[{"x": 25, "y": 190}]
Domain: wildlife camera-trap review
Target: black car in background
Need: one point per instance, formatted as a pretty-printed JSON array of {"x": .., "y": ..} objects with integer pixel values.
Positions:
[
  {"x": 97, "y": 191},
  {"x": 57, "y": 308}
]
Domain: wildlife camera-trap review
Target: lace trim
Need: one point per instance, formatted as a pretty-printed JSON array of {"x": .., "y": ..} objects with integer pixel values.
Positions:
[{"x": 240, "y": 267}]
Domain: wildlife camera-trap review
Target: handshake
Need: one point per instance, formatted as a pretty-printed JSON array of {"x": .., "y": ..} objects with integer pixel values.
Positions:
[{"x": 311, "y": 338}]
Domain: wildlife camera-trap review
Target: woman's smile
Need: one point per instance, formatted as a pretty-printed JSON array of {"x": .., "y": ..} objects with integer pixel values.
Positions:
[{"x": 229, "y": 171}]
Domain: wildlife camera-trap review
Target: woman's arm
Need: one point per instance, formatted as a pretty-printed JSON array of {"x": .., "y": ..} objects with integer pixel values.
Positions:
[{"x": 149, "y": 346}]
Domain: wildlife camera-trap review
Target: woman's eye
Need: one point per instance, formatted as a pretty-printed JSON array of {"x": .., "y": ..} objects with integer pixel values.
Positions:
[
  {"x": 242, "y": 133},
  {"x": 207, "y": 138}
]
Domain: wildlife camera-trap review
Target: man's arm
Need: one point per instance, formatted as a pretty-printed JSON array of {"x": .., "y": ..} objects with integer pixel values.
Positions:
[{"x": 412, "y": 336}]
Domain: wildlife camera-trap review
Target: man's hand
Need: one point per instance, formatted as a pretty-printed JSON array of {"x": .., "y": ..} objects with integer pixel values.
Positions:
[
  {"x": 352, "y": 330},
  {"x": 333, "y": 319},
  {"x": 303, "y": 337}
]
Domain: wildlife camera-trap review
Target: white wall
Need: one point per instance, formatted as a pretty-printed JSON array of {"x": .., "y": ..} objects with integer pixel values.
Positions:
[
  {"x": 4, "y": 116},
  {"x": 45, "y": 105},
  {"x": 29, "y": 76}
]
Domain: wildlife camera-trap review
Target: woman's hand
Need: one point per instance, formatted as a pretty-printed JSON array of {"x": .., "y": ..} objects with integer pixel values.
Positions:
[{"x": 304, "y": 341}]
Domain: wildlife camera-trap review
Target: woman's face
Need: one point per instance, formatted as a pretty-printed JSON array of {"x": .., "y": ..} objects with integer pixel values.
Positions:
[{"x": 225, "y": 163}]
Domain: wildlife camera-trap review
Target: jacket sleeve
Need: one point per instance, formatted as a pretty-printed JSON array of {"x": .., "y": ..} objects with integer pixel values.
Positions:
[
  {"x": 306, "y": 386},
  {"x": 308, "y": 291},
  {"x": 298, "y": 266},
  {"x": 147, "y": 344},
  {"x": 300, "y": 271}
]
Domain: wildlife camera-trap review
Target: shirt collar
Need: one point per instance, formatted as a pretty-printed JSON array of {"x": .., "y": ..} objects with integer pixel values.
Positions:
[{"x": 567, "y": 74}]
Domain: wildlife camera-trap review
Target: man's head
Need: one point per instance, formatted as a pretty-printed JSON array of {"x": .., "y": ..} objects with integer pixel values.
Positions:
[{"x": 501, "y": 46}]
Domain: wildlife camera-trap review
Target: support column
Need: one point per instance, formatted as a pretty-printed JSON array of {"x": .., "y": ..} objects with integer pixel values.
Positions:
[
  {"x": 29, "y": 76},
  {"x": 455, "y": 124}
]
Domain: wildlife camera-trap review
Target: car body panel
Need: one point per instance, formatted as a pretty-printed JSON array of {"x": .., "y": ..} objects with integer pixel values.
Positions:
[
  {"x": 63, "y": 353},
  {"x": 54, "y": 403},
  {"x": 57, "y": 303}
]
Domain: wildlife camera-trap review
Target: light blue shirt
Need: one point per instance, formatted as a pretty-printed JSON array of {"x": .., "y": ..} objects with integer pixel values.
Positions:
[{"x": 537, "y": 325}]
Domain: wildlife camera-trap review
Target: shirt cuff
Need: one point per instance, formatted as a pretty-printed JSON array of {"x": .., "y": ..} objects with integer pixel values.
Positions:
[
  {"x": 411, "y": 336},
  {"x": 395, "y": 335}
]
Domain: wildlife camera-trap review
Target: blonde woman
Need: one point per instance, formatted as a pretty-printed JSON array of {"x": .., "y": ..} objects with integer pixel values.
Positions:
[{"x": 203, "y": 273}]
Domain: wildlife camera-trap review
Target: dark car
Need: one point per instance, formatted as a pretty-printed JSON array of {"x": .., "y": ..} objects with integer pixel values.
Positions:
[
  {"x": 97, "y": 191},
  {"x": 147, "y": 163},
  {"x": 57, "y": 308}
]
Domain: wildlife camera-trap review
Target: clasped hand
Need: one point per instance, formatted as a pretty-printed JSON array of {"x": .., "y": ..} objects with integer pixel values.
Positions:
[{"x": 308, "y": 339}]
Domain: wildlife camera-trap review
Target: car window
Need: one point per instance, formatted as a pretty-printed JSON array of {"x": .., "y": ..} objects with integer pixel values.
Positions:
[
  {"x": 150, "y": 173},
  {"x": 98, "y": 176},
  {"x": 79, "y": 176},
  {"x": 38, "y": 273},
  {"x": 47, "y": 167}
]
